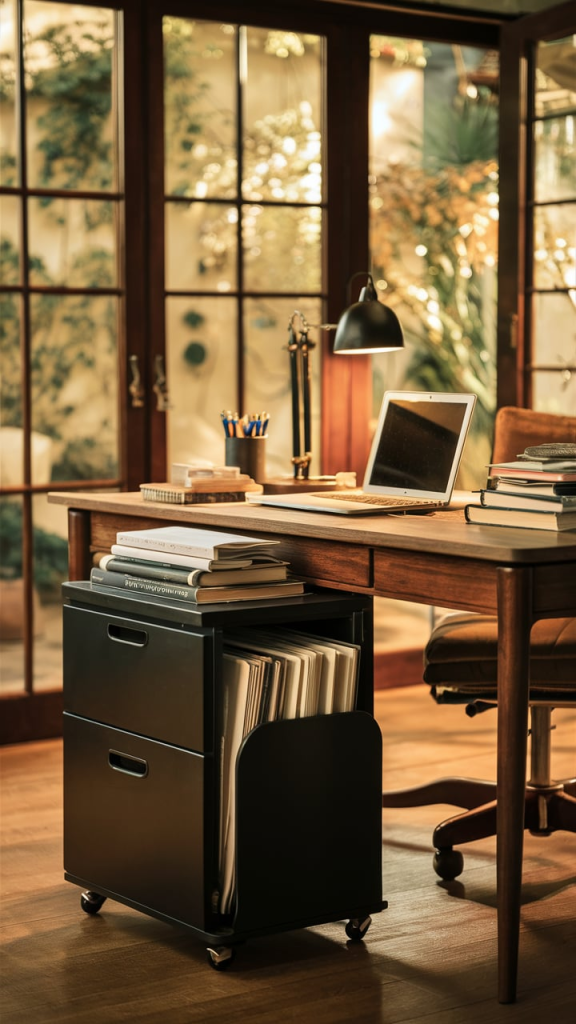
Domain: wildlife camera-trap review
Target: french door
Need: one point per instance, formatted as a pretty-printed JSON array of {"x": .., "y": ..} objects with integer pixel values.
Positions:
[
  {"x": 173, "y": 186},
  {"x": 537, "y": 281}
]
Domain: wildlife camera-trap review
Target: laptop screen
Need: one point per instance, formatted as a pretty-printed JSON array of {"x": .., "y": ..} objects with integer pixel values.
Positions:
[{"x": 418, "y": 443}]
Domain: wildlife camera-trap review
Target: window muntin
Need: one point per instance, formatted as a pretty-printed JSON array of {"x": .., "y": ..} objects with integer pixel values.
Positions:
[
  {"x": 62, "y": 295},
  {"x": 551, "y": 302},
  {"x": 244, "y": 221}
]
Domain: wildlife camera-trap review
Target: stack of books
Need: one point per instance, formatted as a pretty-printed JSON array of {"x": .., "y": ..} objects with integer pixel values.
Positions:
[
  {"x": 195, "y": 566},
  {"x": 268, "y": 676},
  {"x": 203, "y": 487},
  {"x": 534, "y": 492}
]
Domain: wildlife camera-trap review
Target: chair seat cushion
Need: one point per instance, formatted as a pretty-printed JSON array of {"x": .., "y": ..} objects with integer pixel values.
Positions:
[{"x": 462, "y": 654}]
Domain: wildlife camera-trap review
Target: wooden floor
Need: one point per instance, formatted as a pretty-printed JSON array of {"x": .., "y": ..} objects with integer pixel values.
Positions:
[{"x": 431, "y": 957}]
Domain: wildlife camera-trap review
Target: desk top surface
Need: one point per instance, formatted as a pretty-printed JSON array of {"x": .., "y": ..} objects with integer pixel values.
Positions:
[{"x": 443, "y": 532}]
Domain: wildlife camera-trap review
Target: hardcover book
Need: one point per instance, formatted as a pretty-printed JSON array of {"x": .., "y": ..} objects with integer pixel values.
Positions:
[
  {"x": 196, "y": 595},
  {"x": 530, "y": 501},
  {"x": 485, "y": 516},
  {"x": 517, "y": 485},
  {"x": 266, "y": 573}
]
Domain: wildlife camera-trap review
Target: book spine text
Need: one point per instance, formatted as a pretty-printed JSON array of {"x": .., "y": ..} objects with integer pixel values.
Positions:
[{"x": 142, "y": 586}]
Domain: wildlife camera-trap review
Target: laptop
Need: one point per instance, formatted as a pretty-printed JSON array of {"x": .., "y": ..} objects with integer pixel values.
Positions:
[{"x": 413, "y": 460}]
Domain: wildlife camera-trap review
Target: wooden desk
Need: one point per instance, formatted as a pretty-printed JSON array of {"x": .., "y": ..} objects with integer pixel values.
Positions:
[{"x": 521, "y": 575}]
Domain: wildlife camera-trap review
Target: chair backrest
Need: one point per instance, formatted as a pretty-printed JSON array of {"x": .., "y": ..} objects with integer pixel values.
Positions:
[{"x": 515, "y": 429}]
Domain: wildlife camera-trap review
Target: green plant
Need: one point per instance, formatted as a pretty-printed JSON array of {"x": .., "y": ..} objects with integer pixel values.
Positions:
[
  {"x": 74, "y": 78},
  {"x": 50, "y": 552},
  {"x": 434, "y": 244},
  {"x": 74, "y": 338}
]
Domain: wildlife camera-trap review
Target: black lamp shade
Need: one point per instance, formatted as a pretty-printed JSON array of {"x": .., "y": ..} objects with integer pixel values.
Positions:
[{"x": 368, "y": 326}]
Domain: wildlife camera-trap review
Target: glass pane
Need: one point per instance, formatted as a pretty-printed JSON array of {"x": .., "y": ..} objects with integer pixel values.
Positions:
[
  {"x": 50, "y": 546},
  {"x": 434, "y": 222},
  {"x": 555, "y": 246},
  {"x": 10, "y": 242},
  {"x": 74, "y": 384},
  {"x": 554, "y": 392},
  {"x": 201, "y": 246},
  {"x": 72, "y": 243},
  {"x": 554, "y": 329},
  {"x": 267, "y": 374},
  {"x": 200, "y": 108},
  {"x": 282, "y": 144},
  {"x": 11, "y": 597},
  {"x": 202, "y": 367},
  {"x": 71, "y": 137},
  {"x": 10, "y": 378},
  {"x": 282, "y": 248},
  {"x": 555, "y": 76},
  {"x": 9, "y": 164},
  {"x": 555, "y": 159}
]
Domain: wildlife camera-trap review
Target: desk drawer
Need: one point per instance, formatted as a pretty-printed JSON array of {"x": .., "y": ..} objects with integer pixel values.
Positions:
[
  {"x": 134, "y": 819},
  {"x": 140, "y": 676},
  {"x": 346, "y": 565}
]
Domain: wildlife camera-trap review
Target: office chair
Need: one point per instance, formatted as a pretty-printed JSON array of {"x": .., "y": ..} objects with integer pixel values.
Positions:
[{"x": 460, "y": 665}]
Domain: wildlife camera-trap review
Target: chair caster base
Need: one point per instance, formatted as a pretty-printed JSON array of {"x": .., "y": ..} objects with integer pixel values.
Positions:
[
  {"x": 220, "y": 957},
  {"x": 91, "y": 902},
  {"x": 448, "y": 863},
  {"x": 356, "y": 929}
]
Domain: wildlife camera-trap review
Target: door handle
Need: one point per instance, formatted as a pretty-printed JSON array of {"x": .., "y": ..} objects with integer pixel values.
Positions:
[
  {"x": 161, "y": 385},
  {"x": 135, "y": 387}
]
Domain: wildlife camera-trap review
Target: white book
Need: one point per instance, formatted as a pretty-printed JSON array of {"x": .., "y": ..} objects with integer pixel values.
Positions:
[
  {"x": 341, "y": 686},
  {"x": 187, "y": 540},
  {"x": 346, "y": 678},
  {"x": 324, "y": 704},
  {"x": 310, "y": 674},
  {"x": 293, "y": 667},
  {"x": 235, "y": 687}
]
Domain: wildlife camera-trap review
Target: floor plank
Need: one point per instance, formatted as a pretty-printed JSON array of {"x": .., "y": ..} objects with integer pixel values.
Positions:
[{"x": 430, "y": 958}]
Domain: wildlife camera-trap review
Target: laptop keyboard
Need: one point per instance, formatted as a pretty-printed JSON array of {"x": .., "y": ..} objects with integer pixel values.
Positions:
[{"x": 379, "y": 499}]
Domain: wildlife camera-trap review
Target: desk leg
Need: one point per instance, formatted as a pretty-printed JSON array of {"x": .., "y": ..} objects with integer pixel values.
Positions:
[
  {"x": 514, "y": 623},
  {"x": 78, "y": 544}
]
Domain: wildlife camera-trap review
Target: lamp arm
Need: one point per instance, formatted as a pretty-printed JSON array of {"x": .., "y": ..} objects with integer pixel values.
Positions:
[
  {"x": 369, "y": 290},
  {"x": 295, "y": 391},
  {"x": 306, "y": 401}
]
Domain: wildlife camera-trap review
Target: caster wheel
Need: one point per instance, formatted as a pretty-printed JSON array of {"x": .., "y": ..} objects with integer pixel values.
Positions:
[
  {"x": 221, "y": 957},
  {"x": 91, "y": 902},
  {"x": 448, "y": 863},
  {"x": 356, "y": 929}
]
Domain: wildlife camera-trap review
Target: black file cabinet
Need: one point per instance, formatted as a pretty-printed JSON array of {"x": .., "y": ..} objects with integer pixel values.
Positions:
[{"x": 141, "y": 778}]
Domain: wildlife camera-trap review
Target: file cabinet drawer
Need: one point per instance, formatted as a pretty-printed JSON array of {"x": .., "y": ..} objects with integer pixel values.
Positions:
[
  {"x": 144, "y": 677},
  {"x": 133, "y": 818}
]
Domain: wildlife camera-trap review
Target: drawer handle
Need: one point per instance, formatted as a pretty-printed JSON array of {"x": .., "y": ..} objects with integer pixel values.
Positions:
[
  {"x": 125, "y": 635},
  {"x": 127, "y": 764}
]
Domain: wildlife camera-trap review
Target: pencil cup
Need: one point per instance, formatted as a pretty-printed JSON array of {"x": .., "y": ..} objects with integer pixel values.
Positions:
[{"x": 249, "y": 453}]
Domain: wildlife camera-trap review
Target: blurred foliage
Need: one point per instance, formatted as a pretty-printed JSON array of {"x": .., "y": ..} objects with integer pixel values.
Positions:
[
  {"x": 73, "y": 358},
  {"x": 50, "y": 552},
  {"x": 72, "y": 364},
  {"x": 434, "y": 225},
  {"x": 74, "y": 78}
]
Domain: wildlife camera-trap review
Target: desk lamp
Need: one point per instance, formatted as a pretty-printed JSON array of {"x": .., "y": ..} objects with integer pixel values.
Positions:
[{"x": 364, "y": 327}]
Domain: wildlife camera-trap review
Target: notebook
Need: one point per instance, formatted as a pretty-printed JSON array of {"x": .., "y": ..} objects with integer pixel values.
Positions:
[{"x": 413, "y": 460}]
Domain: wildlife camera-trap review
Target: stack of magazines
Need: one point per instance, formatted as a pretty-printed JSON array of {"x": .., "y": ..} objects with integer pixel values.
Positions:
[
  {"x": 538, "y": 491},
  {"x": 267, "y": 676},
  {"x": 196, "y": 566}
]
